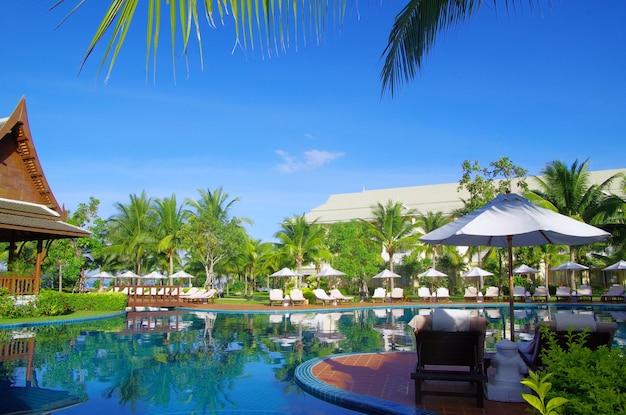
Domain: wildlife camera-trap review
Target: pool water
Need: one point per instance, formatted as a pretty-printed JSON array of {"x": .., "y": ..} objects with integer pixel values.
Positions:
[{"x": 207, "y": 362}]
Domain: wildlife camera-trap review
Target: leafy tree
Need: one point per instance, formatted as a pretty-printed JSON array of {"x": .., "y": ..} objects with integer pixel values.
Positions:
[
  {"x": 300, "y": 241},
  {"x": 170, "y": 220}
]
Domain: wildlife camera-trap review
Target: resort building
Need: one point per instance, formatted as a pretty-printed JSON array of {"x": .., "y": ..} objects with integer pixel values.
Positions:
[{"x": 28, "y": 209}]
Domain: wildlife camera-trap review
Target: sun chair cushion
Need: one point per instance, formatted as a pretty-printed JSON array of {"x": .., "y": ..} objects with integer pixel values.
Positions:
[
  {"x": 576, "y": 322},
  {"x": 450, "y": 320}
]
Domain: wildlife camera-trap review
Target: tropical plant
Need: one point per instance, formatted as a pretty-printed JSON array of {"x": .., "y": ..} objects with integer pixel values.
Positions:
[
  {"x": 541, "y": 387},
  {"x": 300, "y": 241},
  {"x": 413, "y": 34},
  {"x": 170, "y": 220}
]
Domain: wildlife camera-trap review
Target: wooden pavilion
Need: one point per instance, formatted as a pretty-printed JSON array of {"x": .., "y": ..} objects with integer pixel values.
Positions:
[{"x": 28, "y": 208}]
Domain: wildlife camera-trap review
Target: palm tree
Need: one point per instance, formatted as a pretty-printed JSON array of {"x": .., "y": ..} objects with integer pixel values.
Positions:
[
  {"x": 170, "y": 221},
  {"x": 130, "y": 232},
  {"x": 413, "y": 34},
  {"x": 300, "y": 241},
  {"x": 567, "y": 190},
  {"x": 393, "y": 228}
]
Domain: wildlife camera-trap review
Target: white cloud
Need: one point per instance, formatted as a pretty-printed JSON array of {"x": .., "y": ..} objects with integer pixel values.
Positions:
[{"x": 312, "y": 159}]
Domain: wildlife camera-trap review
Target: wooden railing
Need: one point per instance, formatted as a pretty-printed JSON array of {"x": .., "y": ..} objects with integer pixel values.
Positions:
[
  {"x": 152, "y": 296},
  {"x": 18, "y": 285}
]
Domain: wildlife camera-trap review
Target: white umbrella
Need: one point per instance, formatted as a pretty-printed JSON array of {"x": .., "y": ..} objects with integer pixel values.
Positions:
[
  {"x": 477, "y": 272},
  {"x": 387, "y": 274},
  {"x": 570, "y": 266},
  {"x": 129, "y": 275},
  {"x": 182, "y": 275},
  {"x": 432, "y": 273},
  {"x": 330, "y": 272},
  {"x": 618, "y": 266},
  {"x": 525, "y": 269},
  {"x": 511, "y": 220},
  {"x": 154, "y": 275},
  {"x": 285, "y": 272},
  {"x": 102, "y": 275}
]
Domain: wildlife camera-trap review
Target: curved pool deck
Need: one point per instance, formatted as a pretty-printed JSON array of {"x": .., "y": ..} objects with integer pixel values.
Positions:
[{"x": 380, "y": 383}]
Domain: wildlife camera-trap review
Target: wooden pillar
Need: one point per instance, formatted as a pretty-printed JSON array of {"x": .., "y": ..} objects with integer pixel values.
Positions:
[{"x": 38, "y": 261}]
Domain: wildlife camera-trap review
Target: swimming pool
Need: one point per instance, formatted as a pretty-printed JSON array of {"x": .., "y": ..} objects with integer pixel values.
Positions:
[{"x": 185, "y": 362}]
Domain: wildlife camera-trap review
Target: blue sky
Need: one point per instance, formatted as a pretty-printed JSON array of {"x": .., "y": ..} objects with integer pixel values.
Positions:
[{"x": 283, "y": 133}]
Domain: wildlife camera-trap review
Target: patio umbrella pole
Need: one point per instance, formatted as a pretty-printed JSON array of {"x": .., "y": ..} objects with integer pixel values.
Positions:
[{"x": 509, "y": 240}]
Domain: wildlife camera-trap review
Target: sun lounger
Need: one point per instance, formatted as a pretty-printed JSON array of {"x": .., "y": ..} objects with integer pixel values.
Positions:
[
  {"x": 397, "y": 294},
  {"x": 297, "y": 298},
  {"x": 492, "y": 293},
  {"x": 540, "y": 293},
  {"x": 320, "y": 295},
  {"x": 519, "y": 293},
  {"x": 379, "y": 294},
  {"x": 189, "y": 293},
  {"x": 339, "y": 296},
  {"x": 449, "y": 338},
  {"x": 423, "y": 293},
  {"x": 443, "y": 294},
  {"x": 276, "y": 296},
  {"x": 203, "y": 296},
  {"x": 615, "y": 293},
  {"x": 471, "y": 294},
  {"x": 563, "y": 293},
  {"x": 583, "y": 293}
]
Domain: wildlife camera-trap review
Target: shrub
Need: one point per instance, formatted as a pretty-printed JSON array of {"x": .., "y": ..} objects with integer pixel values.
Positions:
[
  {"x": 107, "y": 301},
  {"x": 593, "y": 381},
  {"x": 52, "y": 303}
]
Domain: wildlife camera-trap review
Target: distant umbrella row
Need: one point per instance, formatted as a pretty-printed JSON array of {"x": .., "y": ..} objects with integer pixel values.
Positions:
[{"x": 153, "y": 276}]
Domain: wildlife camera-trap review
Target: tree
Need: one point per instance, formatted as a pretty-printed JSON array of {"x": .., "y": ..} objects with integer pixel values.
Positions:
[
  {"x": 300, "y": 241},
  {"x": 567, "y": 190},
  {"x": 413, "y": 34},
  {"x": 211, "y": 234},
  {"x": 393, "y": 228},
  {"x": 169, "y": 228}
]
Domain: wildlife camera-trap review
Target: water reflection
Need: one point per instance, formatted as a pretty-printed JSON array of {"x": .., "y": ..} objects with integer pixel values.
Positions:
[{"x": 205, "y": 362}]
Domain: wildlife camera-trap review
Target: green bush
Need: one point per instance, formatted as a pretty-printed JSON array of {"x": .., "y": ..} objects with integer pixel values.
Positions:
[
  {"x": 593, "y": 381},
  {"x": 52, "y": 303},
  {"x": 106, "y": 301}
]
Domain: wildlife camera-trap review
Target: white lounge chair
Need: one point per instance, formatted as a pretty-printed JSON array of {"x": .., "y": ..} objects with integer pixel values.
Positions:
[
  {"x": 297, "y": 297},
  {"x": 615, "y": 293},
  {"x": 563, "y": 293},
  {"x": 397, "y": 294},
  {"x": 423, "y": 293},
  {"x": 379, "y": 294},
  {"x": 203, "y": 296},
  {"x": 320, "y": 295},
  {"x": 583, "y": 292},
  {"x": 541, "y": 293},
  {"x": 519, "y": 293},
  {"x": 339, "y": 296},
  {"x": 492, "y": 293},
  {"x": 276, "y": 296},
  {"x": 471, "y": 294},
  {"x": 443, "y": 293}
]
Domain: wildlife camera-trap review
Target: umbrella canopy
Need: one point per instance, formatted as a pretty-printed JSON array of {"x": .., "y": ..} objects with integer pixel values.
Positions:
[
  {"x": 511, "y": 220},
  {"x": 570, "y": 266},
  {"x": 182, "y": 275},
  {"x": 477, "y": 272},
  {"x": 432, "y": 272},
  {"x": 525, "y": 269},
  {"x": 618, "y": 266},
  {"x": 285, "y": 272},
  {"x": 102, "y": 275},
  {"x": 330, "y": 272},
  {"x": 387, "y": 274},
  {"x": 154, "y": 275}
]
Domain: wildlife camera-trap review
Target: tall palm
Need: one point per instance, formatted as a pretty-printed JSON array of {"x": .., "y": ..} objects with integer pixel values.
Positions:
[
  {"x": 254, "y": 254},
  {"x": 300, "y": 241},
  {"x": 568, "y": 191},
  {"x": 272, "y": 23},
  {"x": 170, "y": 220},
  {"x": 393, "y": 228},
  {"x": 130, "y": 231},
  {"x": 427, "y": 223}
]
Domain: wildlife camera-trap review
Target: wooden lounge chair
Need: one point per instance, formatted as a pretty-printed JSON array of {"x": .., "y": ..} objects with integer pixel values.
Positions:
[
  {"x": 615, "y": 293},
  {"x": 379, "y": 294},
  {"x": 583, "y": 293},
  {"x": 397, "y": 294},
  {"x": 492, "y": 293},
  {"x": 540, "y": 293},
  {"x": 597, "y": 334},
  {"x": 423, "y": 293},
  {"x": 297, "y": 298},
  {"x": 339, "y": 296},
  {"x": 471, "y": 294},
  {"x": 321, "y": 296},
  {"x": 276, "y": 296},
  {"x": 438, "y": 350},
  {"x": 443, "y": 294},
  {"x": 563, "y": 293}
]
